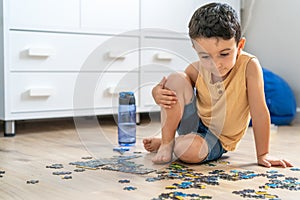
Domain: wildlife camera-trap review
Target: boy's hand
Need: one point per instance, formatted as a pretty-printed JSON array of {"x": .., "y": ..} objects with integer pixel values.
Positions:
[
  {"x": 163, "y": 96},
  {"x": 268, "y": 161}
]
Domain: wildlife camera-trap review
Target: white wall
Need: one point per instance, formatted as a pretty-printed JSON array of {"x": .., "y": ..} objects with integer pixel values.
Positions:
[{"x": 273, "y": 35}]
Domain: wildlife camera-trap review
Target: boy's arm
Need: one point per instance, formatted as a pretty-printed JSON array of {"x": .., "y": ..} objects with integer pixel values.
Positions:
[
  {"x": 260, "y": 116},
  {"x": 192, "y": 72}
]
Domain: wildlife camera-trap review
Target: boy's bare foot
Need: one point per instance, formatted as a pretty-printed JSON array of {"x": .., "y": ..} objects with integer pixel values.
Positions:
[
  {"x": 164, "y": 151},
  {"x": 152, "y": 144},
  {"x": 164, "y": 154}
]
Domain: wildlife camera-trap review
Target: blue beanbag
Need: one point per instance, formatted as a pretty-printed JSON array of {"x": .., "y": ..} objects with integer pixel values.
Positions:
[{"x": 279, "y": 98}]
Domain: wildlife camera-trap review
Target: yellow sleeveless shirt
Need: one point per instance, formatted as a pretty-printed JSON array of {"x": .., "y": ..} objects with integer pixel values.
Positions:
[{"x": 223, "y": 106}]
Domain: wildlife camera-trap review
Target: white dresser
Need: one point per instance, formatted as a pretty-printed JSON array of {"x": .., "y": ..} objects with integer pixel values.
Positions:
[{"x": 69, "y": 58}]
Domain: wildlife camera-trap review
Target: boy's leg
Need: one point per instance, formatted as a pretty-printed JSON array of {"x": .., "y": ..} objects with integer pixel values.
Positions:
[
  {"x": 171, "y": 117},
  {"x": 191, "y": 145},
  {"x": 191, "y": 148}
]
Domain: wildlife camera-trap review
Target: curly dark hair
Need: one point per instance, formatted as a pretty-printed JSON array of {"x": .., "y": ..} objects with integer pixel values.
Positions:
[{"x": 215, "y": 20}]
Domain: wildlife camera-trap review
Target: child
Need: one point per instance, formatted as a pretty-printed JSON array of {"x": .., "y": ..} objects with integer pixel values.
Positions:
[{"x": 228, "y": 89}]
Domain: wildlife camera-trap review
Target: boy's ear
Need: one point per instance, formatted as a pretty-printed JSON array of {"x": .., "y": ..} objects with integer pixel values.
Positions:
[{"x": 241, "y": 44}]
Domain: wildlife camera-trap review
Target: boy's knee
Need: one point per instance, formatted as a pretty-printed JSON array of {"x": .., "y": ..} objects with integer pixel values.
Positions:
[
  {"x": 181, "y": 84},
  {"x": 189, "y": 158},
  {"x": 177, "y": 80},
  {"x": 191, "y": 148}
]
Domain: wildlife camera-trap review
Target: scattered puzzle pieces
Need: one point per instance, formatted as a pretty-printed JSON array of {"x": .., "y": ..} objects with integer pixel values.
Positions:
[
  {"x": 192, "y": 179},
  {"x": 181, "y": 195},
  {"x": 188, "y": 178},
  {"x": 128, "y": 167},
  {"x": 289, "y": 183},
  {"x": 250, "y": 193},
  {"x": 116, "y": 163}
]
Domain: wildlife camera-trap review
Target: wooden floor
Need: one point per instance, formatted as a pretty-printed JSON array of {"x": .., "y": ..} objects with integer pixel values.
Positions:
[{"x": 41, "y": 143}]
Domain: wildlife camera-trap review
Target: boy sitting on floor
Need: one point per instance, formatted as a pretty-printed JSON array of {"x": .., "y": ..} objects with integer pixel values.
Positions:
[{"x": 229, "y": 88}]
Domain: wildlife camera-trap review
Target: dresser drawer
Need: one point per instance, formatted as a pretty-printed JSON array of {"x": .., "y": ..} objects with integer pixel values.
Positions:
[
  {"x": 113, "y": 16},
  {"x": 165, "y": 14},
  {"x": 35, "y": 14},
  {"x": 168, "y": 54},
  {"x": 36, "y": 51},
  {"x": 40, "y": 92}
]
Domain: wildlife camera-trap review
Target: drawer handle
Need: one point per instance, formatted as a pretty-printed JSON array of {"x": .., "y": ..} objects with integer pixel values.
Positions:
[
  {"x": 163, "y": 56},
  {"x": 40, "y": 92},
  {"x": 115, "y": 55},
  {"x": 41, "y": 52},
  {"x": 115, "y": 90}
]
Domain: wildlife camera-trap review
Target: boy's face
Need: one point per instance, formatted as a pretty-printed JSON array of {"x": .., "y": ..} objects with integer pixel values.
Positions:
[{"x": 217, "y": 55}]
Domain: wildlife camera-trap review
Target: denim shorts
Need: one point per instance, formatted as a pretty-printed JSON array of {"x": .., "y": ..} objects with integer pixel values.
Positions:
[{"x": 191, "y": 123}]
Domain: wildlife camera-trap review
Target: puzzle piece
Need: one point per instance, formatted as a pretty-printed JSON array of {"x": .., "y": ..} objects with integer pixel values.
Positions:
[
  {"x": 32, "y": 181},
  {"x": 79, "y": 170},
  {"x": 215, "y": 163},
  {"x": 295, "y": 169},
  {"x": 129, "y": 188},
  {"x": 121, "y": 150},
  {"x": 55, "y": 166},
  {"x": 184, "y": 185},
  {"x": 1, "y": 173},
  {"x": 66, "y": 177},
  {"x": 171, "y": 187},
  {"x": 87, "y": 157},
  {"x": 62, "y": 173},
  {"x": 272, "y": 172},
  {"x": 124, "y": 181}
]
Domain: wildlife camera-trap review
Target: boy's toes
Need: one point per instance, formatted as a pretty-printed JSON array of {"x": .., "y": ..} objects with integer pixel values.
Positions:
[
  {"x": 147, "y": 144},
  {"x": 146, "y": 141},
  {"x": 151, "y": 144}
]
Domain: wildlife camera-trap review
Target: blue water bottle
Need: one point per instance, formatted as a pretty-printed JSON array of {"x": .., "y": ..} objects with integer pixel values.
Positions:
[{"x": 126, "y": 119}]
